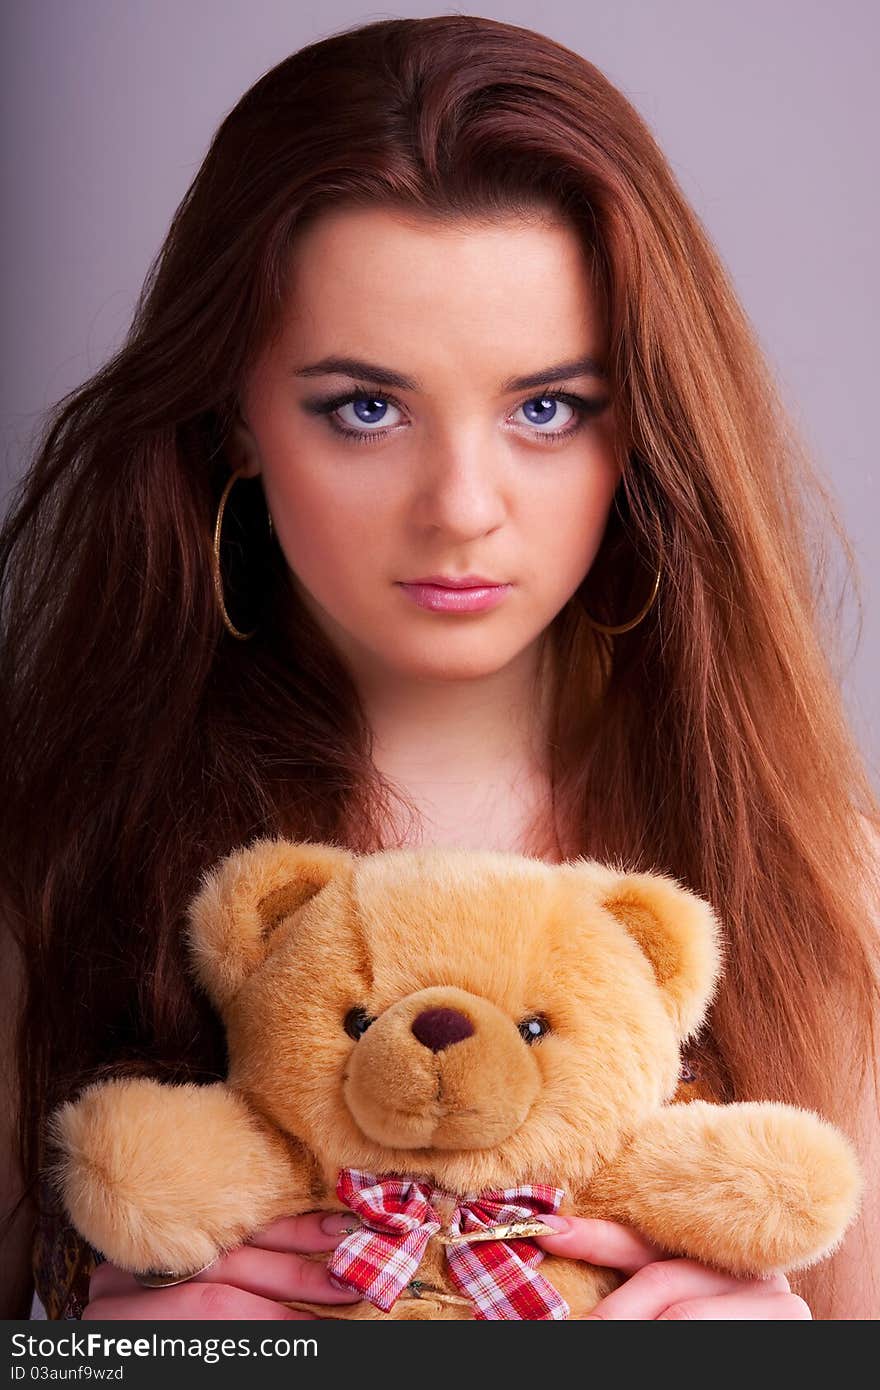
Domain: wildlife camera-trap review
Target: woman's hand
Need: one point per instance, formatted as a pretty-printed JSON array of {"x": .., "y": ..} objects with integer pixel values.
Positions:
[
  {"x": 662, "y": 1287},
  {"x": 248, "y": 1283}
]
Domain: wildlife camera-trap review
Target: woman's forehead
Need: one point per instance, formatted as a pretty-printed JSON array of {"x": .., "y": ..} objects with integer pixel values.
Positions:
[{"x": 424, "y": 299}]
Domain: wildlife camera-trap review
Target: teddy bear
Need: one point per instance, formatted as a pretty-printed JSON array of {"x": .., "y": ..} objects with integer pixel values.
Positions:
[{"x": 450, "y": 1043}]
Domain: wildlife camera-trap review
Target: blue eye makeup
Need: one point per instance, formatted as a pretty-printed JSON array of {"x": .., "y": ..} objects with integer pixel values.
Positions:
[{"x": 376, "y": 401}]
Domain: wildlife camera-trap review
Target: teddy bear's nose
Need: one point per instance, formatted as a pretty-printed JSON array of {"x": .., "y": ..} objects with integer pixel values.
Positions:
[{"x": 439, "y": 1028}]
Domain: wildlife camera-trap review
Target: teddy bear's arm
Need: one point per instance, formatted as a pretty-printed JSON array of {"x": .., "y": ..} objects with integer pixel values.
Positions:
[
  {"x": 159, "y": 1176},
  {"x": 754, "y": 1188}
]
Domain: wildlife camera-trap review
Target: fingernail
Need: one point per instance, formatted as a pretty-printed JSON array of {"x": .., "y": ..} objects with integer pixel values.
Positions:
[
  {"x": 339, "y": 1223},
  {"x": 559, "y": 1223}
]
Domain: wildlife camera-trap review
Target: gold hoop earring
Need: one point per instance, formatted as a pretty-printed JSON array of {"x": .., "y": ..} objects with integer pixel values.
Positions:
[
  {"x": 218, "y": 581},
  {"x": 613, "y": 629}
]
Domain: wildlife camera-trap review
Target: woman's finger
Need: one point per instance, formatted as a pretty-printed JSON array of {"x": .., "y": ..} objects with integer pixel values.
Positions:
[
  {"x": 766, "y": 1307},
  {"x": 275, "y": 1274},
  {"x": 191, "y": 1302},
  {"x": 605, "y": 1243},
  {"x": 655, "y": 1288},
  {"x": 107, "y": 1280},
  {"x": 314, "y": 1231}
]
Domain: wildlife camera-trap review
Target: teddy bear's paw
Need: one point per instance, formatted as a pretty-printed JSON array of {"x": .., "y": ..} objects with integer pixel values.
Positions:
[
  {"x": 163, "y": 1177},
  {"x": 800, "y": 1183},
  {"x": 754, "y": 1187}
]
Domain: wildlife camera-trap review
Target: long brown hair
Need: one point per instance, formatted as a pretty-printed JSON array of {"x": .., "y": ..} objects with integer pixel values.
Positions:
[{"x": 140, "y": 741}]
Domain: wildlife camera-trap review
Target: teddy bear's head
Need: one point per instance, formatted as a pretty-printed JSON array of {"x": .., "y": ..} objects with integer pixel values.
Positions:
[{"x": 476, "y": 1017}]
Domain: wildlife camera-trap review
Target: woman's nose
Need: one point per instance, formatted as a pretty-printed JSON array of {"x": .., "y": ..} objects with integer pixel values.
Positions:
[{"x": 461, "y": 490}]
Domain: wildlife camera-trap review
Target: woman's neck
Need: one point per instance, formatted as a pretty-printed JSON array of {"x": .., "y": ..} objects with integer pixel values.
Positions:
[
  {"x": 469, "y": 755},
  {"x": 439, "y": 732}
]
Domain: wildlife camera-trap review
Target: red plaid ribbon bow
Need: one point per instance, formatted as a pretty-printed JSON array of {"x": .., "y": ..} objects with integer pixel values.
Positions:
[{"x": 399, "y": 1216}]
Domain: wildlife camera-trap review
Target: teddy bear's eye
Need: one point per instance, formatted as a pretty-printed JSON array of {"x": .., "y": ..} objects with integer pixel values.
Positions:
[
  {"x": 534, "y": 1028},
  {"x": 357, "y": 1021}
]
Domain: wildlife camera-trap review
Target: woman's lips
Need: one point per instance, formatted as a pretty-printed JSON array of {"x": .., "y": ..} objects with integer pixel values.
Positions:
[{"x": 443, "y": 600}]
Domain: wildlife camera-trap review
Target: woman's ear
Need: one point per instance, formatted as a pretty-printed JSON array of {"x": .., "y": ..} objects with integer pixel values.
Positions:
[
  {"x": 242, "y": 448},
  {"x": 244, "y": 899}
]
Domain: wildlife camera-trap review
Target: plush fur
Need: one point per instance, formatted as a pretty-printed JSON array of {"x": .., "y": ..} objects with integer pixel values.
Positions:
[{"x": 288, "y": 938}]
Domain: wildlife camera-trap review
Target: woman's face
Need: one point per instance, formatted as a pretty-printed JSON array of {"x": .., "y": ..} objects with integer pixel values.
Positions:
[{"x": 452, "y": 468}]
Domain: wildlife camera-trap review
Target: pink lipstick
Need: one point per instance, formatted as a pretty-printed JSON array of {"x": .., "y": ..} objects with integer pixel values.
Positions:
[{"x": 462, "y": 596}]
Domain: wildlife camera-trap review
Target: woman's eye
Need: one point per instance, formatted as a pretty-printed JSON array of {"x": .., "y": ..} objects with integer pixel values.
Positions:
[
  {"x": 545, "y": 410},
  {"x": 370, "y": 415},
  {"x": 368, "y": 412},
  {"x": 534, "y": 1028}
]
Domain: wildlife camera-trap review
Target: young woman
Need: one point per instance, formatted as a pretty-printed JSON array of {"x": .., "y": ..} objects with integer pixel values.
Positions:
[{"x": 421, "y": 324}]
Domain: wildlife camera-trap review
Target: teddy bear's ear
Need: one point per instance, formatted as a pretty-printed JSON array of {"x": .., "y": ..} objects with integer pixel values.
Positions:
[
  {"x": 244, "y": 898},
  {"x": 677, "y": 930}
]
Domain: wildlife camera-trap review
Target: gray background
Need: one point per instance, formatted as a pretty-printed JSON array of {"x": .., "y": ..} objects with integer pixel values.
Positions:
[{"x": 767, "y": 112}]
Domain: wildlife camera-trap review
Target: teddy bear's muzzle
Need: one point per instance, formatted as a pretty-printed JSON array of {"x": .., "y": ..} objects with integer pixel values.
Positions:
[{"x": 441, "y": 1069}]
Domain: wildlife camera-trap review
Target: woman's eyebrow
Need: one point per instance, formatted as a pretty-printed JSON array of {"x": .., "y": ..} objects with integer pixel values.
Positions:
[{"x": 386, "y": 376}]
